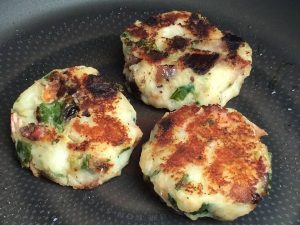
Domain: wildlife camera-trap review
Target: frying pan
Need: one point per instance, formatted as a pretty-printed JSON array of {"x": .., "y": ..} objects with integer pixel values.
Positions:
[{"x": 38, "y": 36}]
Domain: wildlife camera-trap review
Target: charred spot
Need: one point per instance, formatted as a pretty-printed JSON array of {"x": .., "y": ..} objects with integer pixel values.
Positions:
[
  {"x": 194, "y": 18},
  {"x": 38, "y": 114},
  {"x": 156, "y": 55},
  {"x": 166, "y": 124},
  {"x": 200, "y": 62},
  {"x": 102, "y": 166},
  {"x": 71, "y": 90},
  {"x": 232, "y": 42},
  {"x": 198, "y": 26},
  {"x": 170, "y": 18},
  {"x": 62, "y": 89},
  {"x": 70, "y": 111},
  {"x": 86, "y": 113},
  {"x": 73, "y": 87},
  {"x": 178, "y": 42},
  {"x": 255, "y": 198},
  {"x": 151, "y": 21},
  {"x": 138, "y": 31},
  {"x": 69, "y": 87},
  {"x": 53, "y": 76},
  {"x": 132, "y": 60},
  {"x": 97, "y": 87},
  {"x": 134, "y": 89}
]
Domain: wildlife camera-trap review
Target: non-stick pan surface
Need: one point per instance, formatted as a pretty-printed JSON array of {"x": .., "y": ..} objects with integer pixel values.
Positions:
[{"x": 38, "y": 36}]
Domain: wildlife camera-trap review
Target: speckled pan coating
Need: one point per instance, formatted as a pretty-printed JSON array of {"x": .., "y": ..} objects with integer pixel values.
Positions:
[{"x": 56, "y": 34}]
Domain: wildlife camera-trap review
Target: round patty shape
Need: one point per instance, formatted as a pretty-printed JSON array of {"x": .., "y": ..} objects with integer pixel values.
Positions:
[
  {"x": 178, "y": 57},
  {"x": 74, "y": 128},
  {"x": 207, "y": 162}
]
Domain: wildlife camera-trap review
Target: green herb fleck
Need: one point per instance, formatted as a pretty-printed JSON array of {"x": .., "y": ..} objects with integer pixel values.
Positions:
[
  {"x": 155, "y": 172},
  {"x": 270, "y": 156},
  {"x": 182, "y": 92},
  {"x": 172, "y": 202},
  {"x": 181, "y": 182},
  {"x": 142, "y": 43},
  {"x": 57, "y": 174},
  {"x": 229, "y": 85},
  {"x": 126, "y": 38},
  {"x": 51, "y": 113},
  {"x": 85, "y": 161},
  {"x": 269, "y": 180},
  {"x": 173, "y": 56},
  {"x": 24, "y": 153},
  {"x": 119, "y": 87},
  {"x": 146, "y": 45},
  {"x": 124, "y": 150},
  {"x": 146, "y": 178},
  {"x": 55, "y": 141},
  {"x": 194, "y": 43},
  {"x": 204, "y": 210},
  {"x": 125, "y": 35},
  {"x": 270, "y": 173}
]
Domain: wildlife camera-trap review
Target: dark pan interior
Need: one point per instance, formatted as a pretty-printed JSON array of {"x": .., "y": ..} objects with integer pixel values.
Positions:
[{"x": 38, "y": 36}]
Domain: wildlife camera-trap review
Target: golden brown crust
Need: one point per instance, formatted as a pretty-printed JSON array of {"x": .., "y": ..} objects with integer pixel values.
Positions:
[
  {"x": 107, "y": 129},
  {"x": 196, "y": 25},
  {"x": 199, "y": 26},
  {"x": 79, "y": 146},
  {"x": 79, "y": 133},
  {"x": 94, "y": 97},
  {"x": 137, "y": 31},
  {"x": 234, "y": 171}
]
